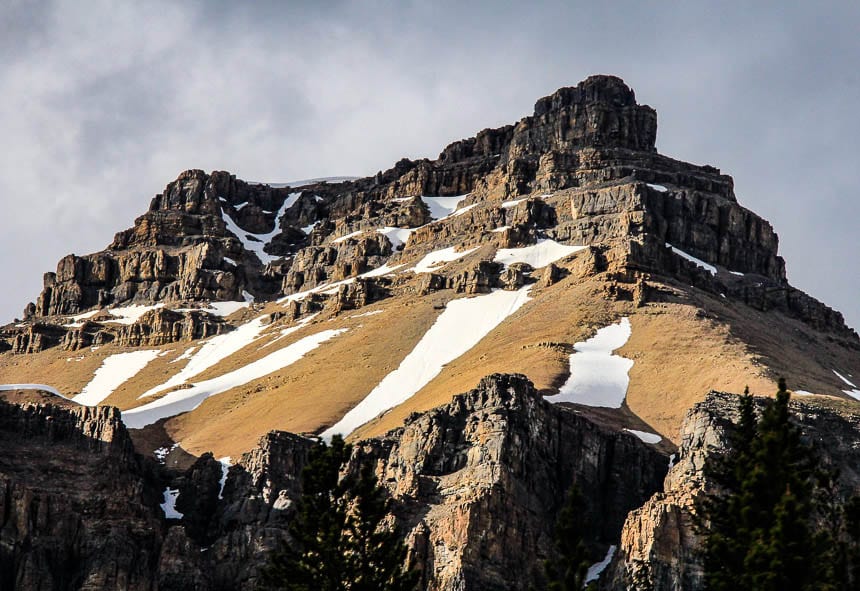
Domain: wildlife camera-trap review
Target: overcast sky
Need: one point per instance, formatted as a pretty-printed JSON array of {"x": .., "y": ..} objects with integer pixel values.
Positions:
[{"x": 103, "y": 103}]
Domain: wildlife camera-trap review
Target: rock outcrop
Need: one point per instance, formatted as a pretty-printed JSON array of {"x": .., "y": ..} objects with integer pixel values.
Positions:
[
  {"x": 584, "y": 164},
  {"x": 476, "y": 486},
  {"x": 78, "y": 509},
  {"x": 659, "y": 544}
]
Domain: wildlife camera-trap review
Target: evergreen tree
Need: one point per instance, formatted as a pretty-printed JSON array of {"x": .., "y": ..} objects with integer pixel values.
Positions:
[
  {"x": 377, "y": 554},
  {"x": 758, "y": 530},
  {"x": 339, "y": 539},
  {"x": 568, "y": 572},
  {"x": 719, "y": 515}
]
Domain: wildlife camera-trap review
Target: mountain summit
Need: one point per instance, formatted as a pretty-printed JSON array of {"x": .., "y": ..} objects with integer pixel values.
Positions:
[{"x": 584, "y": 291}]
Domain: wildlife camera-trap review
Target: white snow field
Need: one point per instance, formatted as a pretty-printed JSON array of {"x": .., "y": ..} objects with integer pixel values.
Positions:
[
  {"x": 537, "y": 255},
  {"x": 461, "y": 326},
  {"x": 188, "y": 399},
  {"x": 43, "y": 387},
  {"x": 660, "y": 188},
  {"x": 437, "y": 258},
  {"x": 706, "y": 266},
  {"x": 255, "y": 242},
  {"x": 854, "y": 392},
  {"x": 212, "y": 351},
  {"x": 113, "y": 372},
  {"x": 597, "y": 377},
  {"x": 645, "y": 436}
]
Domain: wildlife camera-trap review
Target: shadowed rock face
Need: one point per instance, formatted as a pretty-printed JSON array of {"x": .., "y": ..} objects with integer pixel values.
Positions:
[
  {"x": 659, "y": 545},
  {"x": 78, "y": 509},
  {"x": 476, "y": 486}
]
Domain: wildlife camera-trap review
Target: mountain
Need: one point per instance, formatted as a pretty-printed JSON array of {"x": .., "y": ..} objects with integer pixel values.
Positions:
[{"x": 542, "y": 304}]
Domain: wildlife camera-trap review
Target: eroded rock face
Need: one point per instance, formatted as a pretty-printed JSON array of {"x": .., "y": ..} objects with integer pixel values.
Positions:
[
  {"x": 582, "y": 169},
  {"x": 77, "y": 510},
  {"x": 476, "y": 486},
  {"x": 478, "y": 482},
  {"x": 659, "y": 547}
]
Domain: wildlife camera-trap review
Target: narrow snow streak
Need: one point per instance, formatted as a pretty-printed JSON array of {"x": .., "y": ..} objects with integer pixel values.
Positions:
[
  {"x": 113, "y": 372},
  {"x": 645, "y": 436},
  {"x": 255, "y": 242},
  {"x": 180, "y": 401},
  {"x": 225, "y": 467},
  {"x": 213, "y": 351},
  {"x": 43, "y": 387},
  {"x": 597, "y": 377},
  {"x": 439, "y": 257},
  {"x": 397, "y": 236},
  {"x": 461, "y": 326},
  {"x": 854, "y": 392},
  {"x": 537, "y": 255},
  {"x": 706, "y": 266},
  {"x": 514, "y": 203},
  {"x": 347, "y": 237},
  {"x": 597, "y": 568},
  {"x": 660, "y": 188},
  {"x": 222, "y": 308}
]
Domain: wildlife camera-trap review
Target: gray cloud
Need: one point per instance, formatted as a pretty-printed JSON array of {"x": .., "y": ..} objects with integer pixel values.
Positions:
[{"x": 104, "y": 104}]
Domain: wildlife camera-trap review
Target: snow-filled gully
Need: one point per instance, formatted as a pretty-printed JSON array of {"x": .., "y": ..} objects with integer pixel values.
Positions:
[{"x": 462, "y": 324}]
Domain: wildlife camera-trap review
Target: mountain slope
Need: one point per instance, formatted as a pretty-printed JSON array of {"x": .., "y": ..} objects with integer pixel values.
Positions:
[{"x": 230, "y": 308}]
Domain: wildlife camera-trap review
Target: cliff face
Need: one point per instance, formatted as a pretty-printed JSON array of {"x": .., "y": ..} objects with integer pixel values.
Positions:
[
  {"x": 242, "y": 295},
  {"x": 659, "y": 545},
  {"x": 476, "y": 486},
  {"x": 586, "y": 157},
  {"x": 77, "y": 508}
]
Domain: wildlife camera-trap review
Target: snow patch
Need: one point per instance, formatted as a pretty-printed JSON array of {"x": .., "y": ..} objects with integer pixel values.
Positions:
[
  {"x": 660, "y": 188},
  {"x": 114, "y": 371},
  {"x": 537, "y": 255},
  {"x": 706, "y": 266},
  {"x": 502, "y": 229},
  {"x": 461, "y": 326},
  {"x": 225, "y": 467},
  {"x": 347, "y": 237},
  {"x": 255, "y": 242},
  {"x": 854, "y": 392},
  {"x": 597, "y": 377},
  {"x": 331, "y": 180},
  {"x": 288, "y": 331},
  {"x": 43, "y": 387},
  {"x": 371, "y": 313},
  {"x": 186, "y": 400},
  {"x": 169, "y": 504},
  {"x": 438, "y": 257},
  {"x": 844, "y": 379},
  {"x": 514, "y": 203},
  {"x": 442, "y": 207},
  {"x": 213, "y": 351},
  {"x": 645, "y": 436},
  {"x": 597, "y": 568},
  {"x": 397, "y": 236}
]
